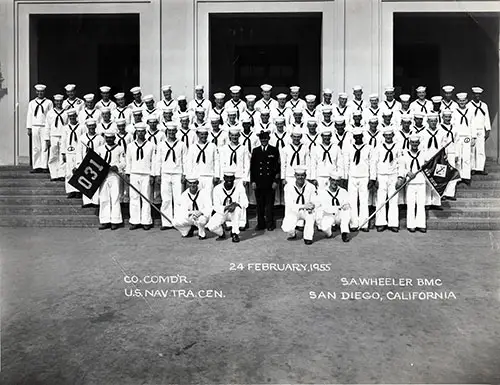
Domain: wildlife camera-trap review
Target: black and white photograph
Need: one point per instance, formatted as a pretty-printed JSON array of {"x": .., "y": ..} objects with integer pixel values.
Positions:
[{"x": 249, "y": 192}]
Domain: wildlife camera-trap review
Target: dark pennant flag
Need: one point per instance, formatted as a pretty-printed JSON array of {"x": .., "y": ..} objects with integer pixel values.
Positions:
[
  {"x": 89, "y": 176},
  {"x": 439, "y": 172}
]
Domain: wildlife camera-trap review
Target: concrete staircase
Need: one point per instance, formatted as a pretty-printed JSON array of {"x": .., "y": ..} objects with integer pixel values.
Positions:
[{"x": 33, "y": 200}]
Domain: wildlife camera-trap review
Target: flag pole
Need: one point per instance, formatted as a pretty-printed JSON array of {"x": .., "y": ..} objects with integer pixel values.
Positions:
[{"x": 403, "y": 186}]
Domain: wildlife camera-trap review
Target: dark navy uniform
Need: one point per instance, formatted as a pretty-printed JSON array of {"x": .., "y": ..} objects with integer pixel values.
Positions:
[{"x": 264, "y": 171}]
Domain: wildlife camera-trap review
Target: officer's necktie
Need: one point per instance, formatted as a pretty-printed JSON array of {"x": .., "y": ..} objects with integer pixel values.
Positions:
[
  {"x": 90, "y": 143},
  {"x": 280, "y": 140},
  {"x": 414, "y": 160},
  {"x": 373, "y": 138},
  {"x": 335, "y": 200},
  {"x": 389, "y": 106},
  {"x": 216, "y": 137},
  {"x": 171, "y": 150},
  {"x": 423, "y": 108},
  {"x": 152, "y": 136},
  {"x": 326, "y": 153},
  {"x": 228, "y": 199},
  {"x": 449, "y": 132},
  {"x": 463, "y": 116},
  {"x": 312, "y": 141},
  {"x": 296, "y": 154},
  {"x": 357, "y": 154},
  {"x": 432, "y": 139},
  {"x": 185, "y": 137},
  {"x": 107, "y": 157},
  {"x": 406, "y": 143},
  {"x": 246, "y": 140},
  {"x": 193, "y": 200},
  {"x": 39, "y": 106},
  {"x": 232, "y": 157},
  {"x": 478, "y": 108},
  {"x": 341, "y": 113},
  {"x": 59, "y": 118},
  {"x": 358, "y": 105},
  {"x": 72, "y": 135},
  {"x": 300, "y": 194},
  {"x": 91, "y": 115},
  {"x": 121, "y": 112},
  {"x": 140, "y": 151},
  {"x": 122, "y": 142},
  {"x": 201, "y": 154},
  {"x": 388, "y": 154},
  {"x": 340, "y": 139}
]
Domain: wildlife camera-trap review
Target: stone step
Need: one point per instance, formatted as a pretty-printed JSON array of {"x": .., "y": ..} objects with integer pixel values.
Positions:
[
  {"x": 457, "y": 214},
  {"x": 47, "y": 210},
  {"x": 35, "y": 191},
  {"x": 27, "y": 182},
  {"x": 493, "y": 184},
  {"x": 55, "y": 199},
  {"x": 23, "y": 175},
  {"x": 472, "y": 192},
  {"x": 48, "y": 221},
  {"x": 473, "y": 202}
]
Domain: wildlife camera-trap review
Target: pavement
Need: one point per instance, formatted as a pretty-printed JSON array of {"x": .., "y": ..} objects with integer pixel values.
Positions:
[{"x": 71, "y": 315}]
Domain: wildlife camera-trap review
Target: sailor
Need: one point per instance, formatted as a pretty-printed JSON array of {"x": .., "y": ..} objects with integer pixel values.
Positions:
[
  {"x": 448, "y": 102},
  {"x": 404, "y": 110},
  {"x": 216, "y": 135},
  {"x": 229, "y": 203},
  {"x": 186, "y": 134},
  {"x": 199, "y": 101},
  {"x": 462, "y": 120},
  {"x": 410, "y": 163},
  {"x": 153, "y": 134},
  {"x": 373, "y": 136},
  {"x": 235, "y": 101},
  {"x": 199, "y": 119},
  {"x": 137, "y": 96},
  {"x": 360, "y": 171},
  {"x": 167, "y": 116},
  {"x": 89, "y": 111},
  {"x": 282, "y": 110},
  {"x": 325, "y": 157},
  {"x": 343, "y": 108},
  {"x": 70, "y": 139},
  {"x": 297, "y": 120},
  {"x": 122, "y": 111},
  {"x": 105, "y": 99},
  {"x": 266, "y": 101},
  {"x": 404, "y": 133},
  {"x": 450, "y": 135},
  {"x": 418, "y": 122},
  {"x": 149, "y": 109},
  {"x": 294, "y": 154},
  {"x": 110, "y": 213},
  {"x": 167, "y": 100},
  {"x": 357, "y": 103},
  {"x": 171, "y": 156},
  {"x": 235, "y": 156},
  {"x": 421, "y": 104},
  {"x": 265, "y": 122},
  {"x": 390, "y": 104},
  {"x": 106, "y": 122},
  {"x": 373, "y": 110},
  {"x": 36, "y": 120},
  {"x": 264, "y": 180},
  {"x": 327, "y": 99},
  {"x": 332, "y": 207},
  {"x": 140, "y": 170},
  {"x": 280, "y": 137},
  {"x": 89, "y": 141},
  {"x": 436, "y": 106},
  {"x": 219, "y": 109},
  {"x": 195, "y": 208},
  {"x": 72, "y": 101},
  {"x": 203, "y": 160},
  {"x": 357, "y": 120},
  {"x": 311, "y": 138},
  {"x": 249, "y": 138},
  {"x": 182, "y": 108},
  {"x": 481, "y": 123},
  {"x": 311, "y": 112},
  {"x": 137, "y": 117},
  {"x": 299, "y": 205},
  {"x": 296, "y": 101},
  {"x": 57, "y": 118},
  {"x": 386, "y": 119},
  {"x": 341, "y": 137},
  {"x": 386, "y": 158},
  {"x": 326, "y": 120},
  {"x": 123, "y": 139},
  {"x": 250, "y": 111},
  {"x": 232, "y": 119}
]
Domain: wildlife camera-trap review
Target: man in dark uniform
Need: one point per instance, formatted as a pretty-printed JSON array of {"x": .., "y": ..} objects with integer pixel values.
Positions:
[{"x": 264, "y": 178}]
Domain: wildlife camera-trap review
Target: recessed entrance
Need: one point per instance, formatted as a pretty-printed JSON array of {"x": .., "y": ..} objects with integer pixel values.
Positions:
[{"x": 282, "y": 49}]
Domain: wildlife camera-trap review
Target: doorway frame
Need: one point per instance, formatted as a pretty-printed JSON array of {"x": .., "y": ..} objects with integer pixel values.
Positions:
[
  {"x": 332, "y": 33},
  {"x": 149, "y": 63},
  {"x": 386, "y": 49}
]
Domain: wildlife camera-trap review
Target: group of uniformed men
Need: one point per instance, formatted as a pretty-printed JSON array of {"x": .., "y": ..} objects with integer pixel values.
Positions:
[{"x": 327, "y": 163}]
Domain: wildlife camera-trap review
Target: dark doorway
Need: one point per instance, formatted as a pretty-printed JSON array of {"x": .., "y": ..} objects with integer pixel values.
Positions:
[
  {"x": 279, "y": 49},
  {"x": 87, "y": 50}
]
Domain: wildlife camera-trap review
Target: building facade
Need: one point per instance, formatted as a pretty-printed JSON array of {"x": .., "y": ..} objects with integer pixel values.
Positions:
[{"x": 317, "y": 44}]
